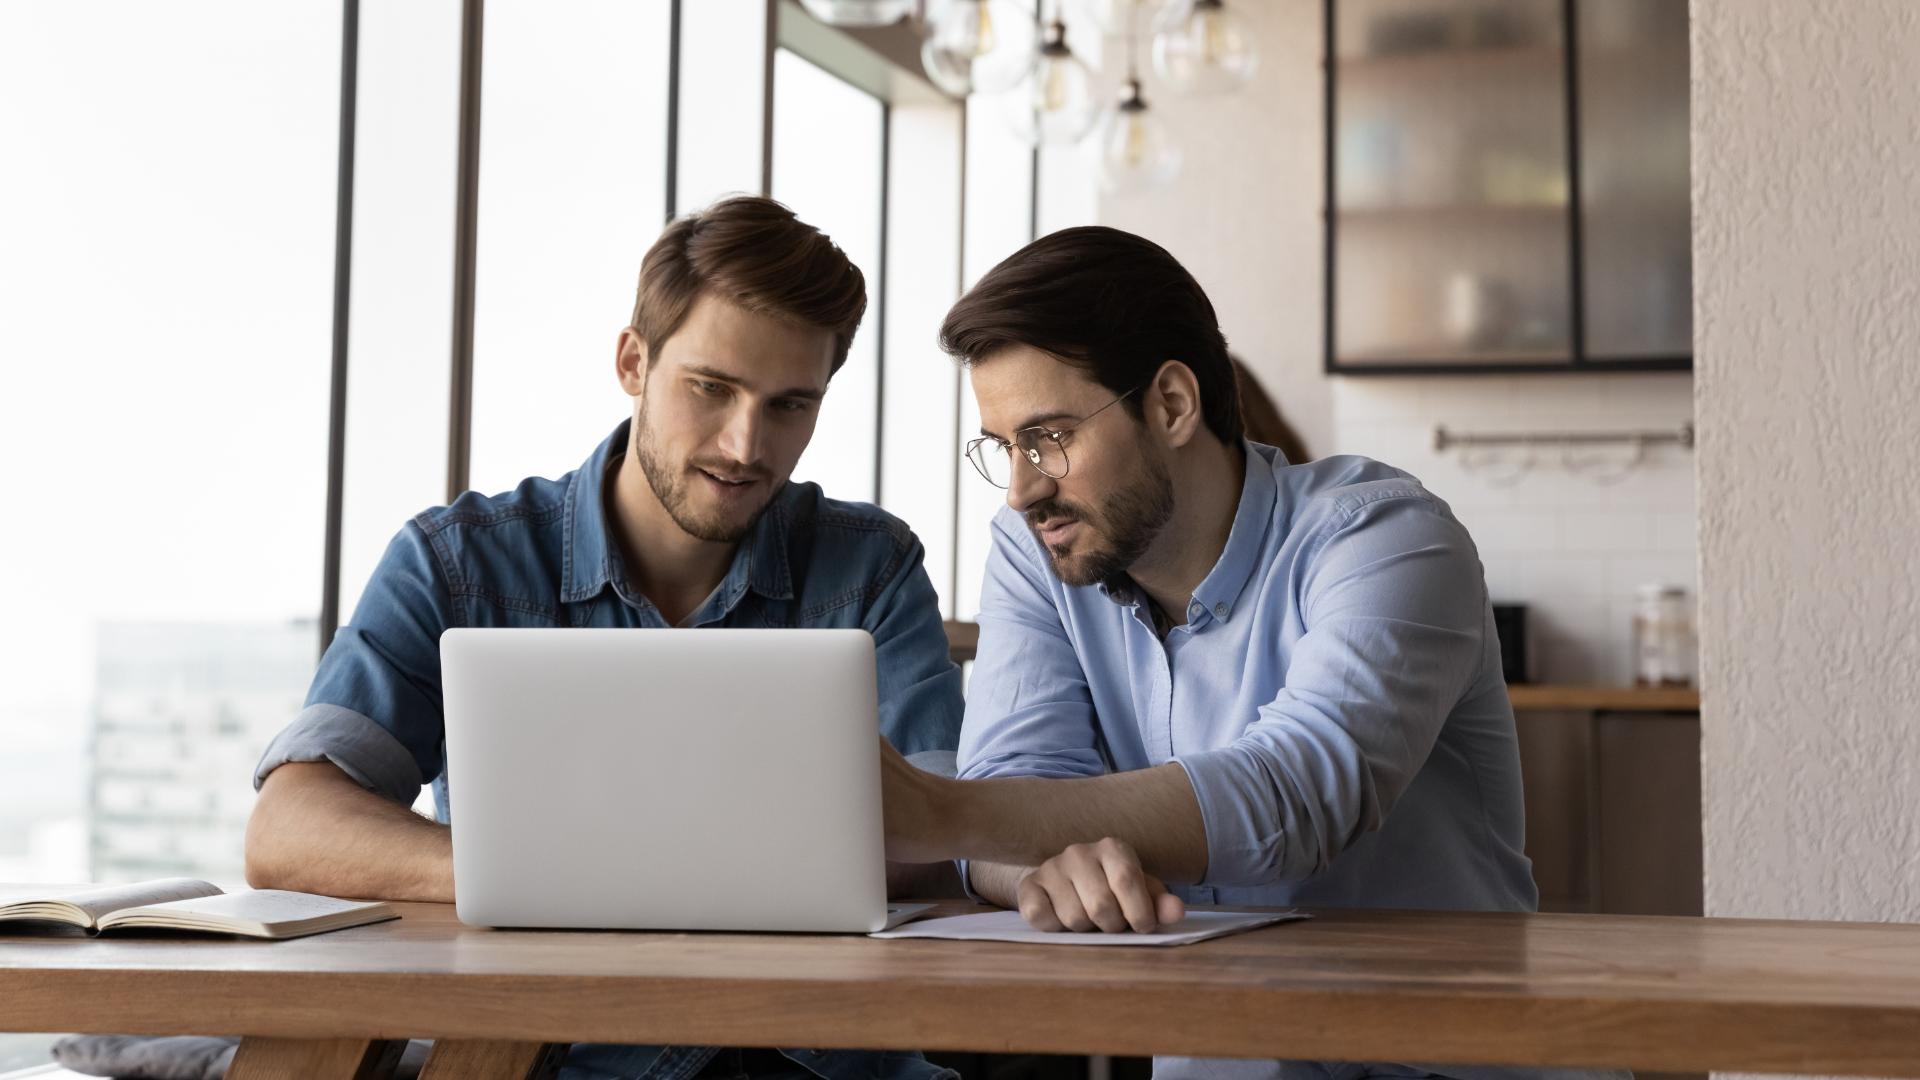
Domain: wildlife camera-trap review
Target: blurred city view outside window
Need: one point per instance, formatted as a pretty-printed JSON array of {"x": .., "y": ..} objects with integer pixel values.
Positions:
[
  {"x": 167, "y": 275},
  {"x": 166, "y": 314},
  {"x": 168, "y": 284}
]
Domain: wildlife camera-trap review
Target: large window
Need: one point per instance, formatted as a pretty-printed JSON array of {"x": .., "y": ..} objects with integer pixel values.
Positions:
[
  {"x": 406, "y": 151},
  {"x": 168, "y": 210},
  {"x": 572, "y": 193},
  {"x": 920, "y": 405},
  {"x": 999, "y": 222},
  {"x": 829, "y": 141},
  {"x": 167, "y": 337}
]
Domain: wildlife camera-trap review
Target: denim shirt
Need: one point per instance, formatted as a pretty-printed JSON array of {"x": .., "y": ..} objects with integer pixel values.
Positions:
[{"x": 543, "y": 555}]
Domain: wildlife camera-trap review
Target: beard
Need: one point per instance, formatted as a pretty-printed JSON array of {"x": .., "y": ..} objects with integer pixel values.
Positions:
[
  {"x": 677, "y": 488},
  {"x": 1113, "y": 539}
]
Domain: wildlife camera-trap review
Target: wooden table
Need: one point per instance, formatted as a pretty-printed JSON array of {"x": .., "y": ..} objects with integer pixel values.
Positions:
[{"x": 1577, "y": 990}]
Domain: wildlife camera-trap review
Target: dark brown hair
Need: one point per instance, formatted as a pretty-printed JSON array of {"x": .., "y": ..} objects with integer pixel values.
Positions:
[
  {"x": 754, "y": 253},
  {"x": 1111, "y": 303}
]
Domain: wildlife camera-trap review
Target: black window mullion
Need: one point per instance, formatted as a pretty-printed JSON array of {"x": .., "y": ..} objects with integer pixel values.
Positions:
[
  {"x": 1577, "y": 306},
  {"x": 465, "y": 248},
  {"x": 342, "y": 296}
]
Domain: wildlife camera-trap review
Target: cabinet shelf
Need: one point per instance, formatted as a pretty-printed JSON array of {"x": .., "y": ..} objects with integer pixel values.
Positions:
[
  {"x": 1454, "y": 61},
  {"x": 1454, "y": 213},
  {"x": 1443, "y": 354}
]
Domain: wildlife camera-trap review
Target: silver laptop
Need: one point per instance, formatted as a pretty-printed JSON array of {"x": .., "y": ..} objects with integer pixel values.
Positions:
[{"x": 665, "y": 780}]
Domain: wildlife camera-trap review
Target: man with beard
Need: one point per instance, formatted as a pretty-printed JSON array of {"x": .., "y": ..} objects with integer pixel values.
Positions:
[
  {"x": 683, "y": 517},
  {"x": 1204, "y": 674}
]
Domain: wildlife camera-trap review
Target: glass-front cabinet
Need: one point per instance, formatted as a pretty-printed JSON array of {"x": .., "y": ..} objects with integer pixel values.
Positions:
[{"x": 1508, "y": 185}]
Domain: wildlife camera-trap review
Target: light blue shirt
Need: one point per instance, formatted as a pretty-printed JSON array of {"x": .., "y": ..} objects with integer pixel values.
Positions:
[{"x": 1335, "y": 696}]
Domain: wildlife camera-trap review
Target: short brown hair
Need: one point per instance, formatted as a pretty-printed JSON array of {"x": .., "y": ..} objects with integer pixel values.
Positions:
[
  {"x": 1108, "y": 302},
  {"x": 752, "y": 252}
]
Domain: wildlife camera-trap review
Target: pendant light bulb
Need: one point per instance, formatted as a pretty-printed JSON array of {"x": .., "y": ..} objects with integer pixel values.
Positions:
[
  {"x": 1205, "y": 49},
  {"x": 1058, "y": 107},
  {"x": 978, "y": 46},
  {"x": 1137, "y": 152}
]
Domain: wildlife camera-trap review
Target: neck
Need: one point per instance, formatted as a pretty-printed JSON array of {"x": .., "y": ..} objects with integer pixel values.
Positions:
[
  {"x": 664, "y": 563},
  {"x": 1207, "y": 477}
]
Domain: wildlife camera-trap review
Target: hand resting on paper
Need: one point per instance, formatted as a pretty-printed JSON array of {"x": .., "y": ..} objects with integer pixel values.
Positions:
[{"x": 1096, "y": 887}]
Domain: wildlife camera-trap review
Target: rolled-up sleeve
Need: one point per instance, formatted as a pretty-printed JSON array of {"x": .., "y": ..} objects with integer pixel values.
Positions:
[
  {"x": 919, "y": 684},
  {"x": 1029, "y": 712},
  {"x": 1393, "y": 602},
  {"x": 374, "y": 709}
]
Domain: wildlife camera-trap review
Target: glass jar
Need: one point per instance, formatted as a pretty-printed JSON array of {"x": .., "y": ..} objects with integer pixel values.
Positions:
[{"x": 1662, "y": 636}]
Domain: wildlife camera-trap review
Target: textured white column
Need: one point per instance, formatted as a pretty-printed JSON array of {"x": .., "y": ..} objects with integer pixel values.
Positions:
[{"x": 1806, "y": 174}]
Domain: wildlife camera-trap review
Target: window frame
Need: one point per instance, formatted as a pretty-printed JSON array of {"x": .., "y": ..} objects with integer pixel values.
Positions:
[{"x": 882, "y": 62}]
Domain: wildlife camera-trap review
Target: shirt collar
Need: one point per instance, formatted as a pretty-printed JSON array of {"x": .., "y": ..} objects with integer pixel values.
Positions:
[
  {"x": 1220, "y": 590},
  {"x": 591, "y": 560}
]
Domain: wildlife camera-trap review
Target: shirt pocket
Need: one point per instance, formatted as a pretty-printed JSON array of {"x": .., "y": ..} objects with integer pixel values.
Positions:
[{"x": 487, "y": 608}]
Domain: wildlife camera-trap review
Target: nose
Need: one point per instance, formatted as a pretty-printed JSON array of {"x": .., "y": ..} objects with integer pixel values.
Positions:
[
  {"x": 743, "y": 435},
  {"x": 1027, "y": 486}
]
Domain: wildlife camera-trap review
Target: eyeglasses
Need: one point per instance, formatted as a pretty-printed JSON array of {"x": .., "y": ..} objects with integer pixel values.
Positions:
[{"x": 1044, "y": 448}]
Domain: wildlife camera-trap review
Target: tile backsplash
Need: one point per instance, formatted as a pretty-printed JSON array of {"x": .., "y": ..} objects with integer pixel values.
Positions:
[{"x": 1570, "y": 543}]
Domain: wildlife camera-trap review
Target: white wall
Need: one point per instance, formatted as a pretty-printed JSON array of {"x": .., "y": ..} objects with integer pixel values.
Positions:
[
  {"x": 1244, "y": 214},
  {"x": 1245, "y": 217},
  {"x": 1806, "y": 172},
  {"x": 1573, "y": 544}
]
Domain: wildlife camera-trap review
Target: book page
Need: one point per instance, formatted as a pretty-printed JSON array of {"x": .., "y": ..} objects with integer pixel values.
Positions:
[
  {"x": 1010, "y": 926},
  {"x": 98, "y": 900},
  {"x": 257, "y": 908}
]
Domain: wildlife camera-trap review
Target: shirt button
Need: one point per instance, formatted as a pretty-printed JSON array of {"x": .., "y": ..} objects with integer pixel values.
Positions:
[
  {"x": 1196, "y": 610},
  {"x": 1220, "y": 610}
]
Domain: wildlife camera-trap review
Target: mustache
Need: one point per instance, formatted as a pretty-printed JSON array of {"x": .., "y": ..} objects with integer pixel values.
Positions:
[{"x": 1053, "y": 512}]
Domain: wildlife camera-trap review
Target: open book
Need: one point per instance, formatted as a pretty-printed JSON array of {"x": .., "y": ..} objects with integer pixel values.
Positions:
[{"x": 186, "y": 904}]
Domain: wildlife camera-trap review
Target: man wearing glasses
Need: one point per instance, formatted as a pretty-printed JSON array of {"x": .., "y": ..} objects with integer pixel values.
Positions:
[{"x": 1205, "y": 674}]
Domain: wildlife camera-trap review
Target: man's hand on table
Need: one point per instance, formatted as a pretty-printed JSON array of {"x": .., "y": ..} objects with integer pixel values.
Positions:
[
  {"x": 1097, "y": 886},
  {"x": 1085, "y": 886}
]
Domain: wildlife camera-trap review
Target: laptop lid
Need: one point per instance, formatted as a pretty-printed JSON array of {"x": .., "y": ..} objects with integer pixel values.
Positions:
[{"x": 670, "y": 780}]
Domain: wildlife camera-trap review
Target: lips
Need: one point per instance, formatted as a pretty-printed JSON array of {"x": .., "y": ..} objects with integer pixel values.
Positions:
[
  {"x": 727, "y": 485},
  {"x": 1055, "y": 533}
]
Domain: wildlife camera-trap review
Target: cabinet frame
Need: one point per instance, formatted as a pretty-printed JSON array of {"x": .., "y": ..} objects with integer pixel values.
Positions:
[{"x": 1579, "y": 360}]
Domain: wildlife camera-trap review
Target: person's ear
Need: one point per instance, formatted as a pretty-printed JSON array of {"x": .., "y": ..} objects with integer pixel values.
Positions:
[
  {"x": 630, "y": 362},
  {"x": 1173, "y": 404}
]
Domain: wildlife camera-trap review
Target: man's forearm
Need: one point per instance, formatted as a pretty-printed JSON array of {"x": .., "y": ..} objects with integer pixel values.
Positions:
[
  {"x": 996, "y": 883},
  {"x": 1023, "y": 821},
  {"x": 315, "y": 830}
]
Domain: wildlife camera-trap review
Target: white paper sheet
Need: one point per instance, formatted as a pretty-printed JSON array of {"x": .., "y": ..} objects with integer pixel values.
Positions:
[{"x": 1009, "y": 926}]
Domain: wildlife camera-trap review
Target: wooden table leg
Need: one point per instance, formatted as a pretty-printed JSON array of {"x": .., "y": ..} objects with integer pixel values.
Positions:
[
  {"x": 262, "y": 1058},
  {"x": 479, "y": 1059}
]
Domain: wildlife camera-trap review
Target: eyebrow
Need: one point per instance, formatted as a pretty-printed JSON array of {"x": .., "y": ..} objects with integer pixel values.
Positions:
[
  {"x": 1031, "y": 421},
  {"x": 717, "y": 375}
]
